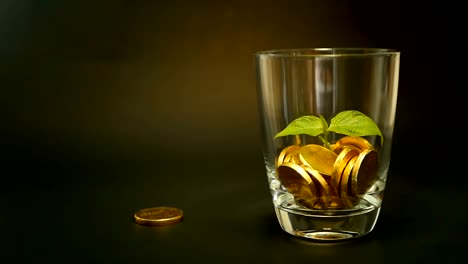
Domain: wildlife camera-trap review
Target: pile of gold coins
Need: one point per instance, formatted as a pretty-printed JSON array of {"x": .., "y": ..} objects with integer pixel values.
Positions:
[{"x": 328, "y": 178}]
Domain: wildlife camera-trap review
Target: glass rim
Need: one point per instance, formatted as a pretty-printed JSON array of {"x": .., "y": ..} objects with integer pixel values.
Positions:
[{"x": 326, "y": 52}]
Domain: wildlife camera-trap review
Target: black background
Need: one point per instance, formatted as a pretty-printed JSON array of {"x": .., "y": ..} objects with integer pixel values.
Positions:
[{"x": 111, "y": 106}]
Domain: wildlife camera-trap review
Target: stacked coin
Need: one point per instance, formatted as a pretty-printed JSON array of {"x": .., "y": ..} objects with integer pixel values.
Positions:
[{"x": 328, "y": 178}]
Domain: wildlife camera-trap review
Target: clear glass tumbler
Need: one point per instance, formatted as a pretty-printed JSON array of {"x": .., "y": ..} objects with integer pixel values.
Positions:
[{"x": 327, "y": 119}]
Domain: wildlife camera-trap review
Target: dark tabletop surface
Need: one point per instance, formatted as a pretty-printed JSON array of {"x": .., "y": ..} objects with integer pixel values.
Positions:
[
  {"x": 229, "y": 216},
  {"x": 108, "y": 107}
]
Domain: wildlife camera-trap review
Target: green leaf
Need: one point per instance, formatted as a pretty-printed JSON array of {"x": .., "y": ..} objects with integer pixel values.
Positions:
[
  {"x": 309, "y": 125},
  {"x": 354, "y": 123}
]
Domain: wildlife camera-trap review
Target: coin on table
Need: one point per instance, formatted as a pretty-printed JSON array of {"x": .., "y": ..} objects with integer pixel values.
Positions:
[
  {"x": 284, "y": 153},
  {"x": 322, "y": 186},
  {"x": 318, "y": 157},
  {"x": 352, "y": 141},
  {"x": 298, "y": 183},
  {"x": 158, "y": 216},
  {"x": 364, "y": 172}
]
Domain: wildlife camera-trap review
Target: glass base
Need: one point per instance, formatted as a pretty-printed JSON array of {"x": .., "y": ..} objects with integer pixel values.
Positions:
[{"x": 327, "y": 225}]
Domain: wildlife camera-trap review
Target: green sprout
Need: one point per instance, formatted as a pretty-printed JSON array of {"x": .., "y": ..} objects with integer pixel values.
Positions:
[{"x": 350, "y": 123}]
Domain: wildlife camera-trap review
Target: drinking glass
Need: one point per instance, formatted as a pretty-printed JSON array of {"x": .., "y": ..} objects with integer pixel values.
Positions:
[{"x": 327, "y": 119}]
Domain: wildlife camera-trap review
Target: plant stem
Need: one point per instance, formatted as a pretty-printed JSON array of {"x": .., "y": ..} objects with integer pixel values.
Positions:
[
  {"x": 325, "y": 140},
  {"x": 325, "y": 132}
]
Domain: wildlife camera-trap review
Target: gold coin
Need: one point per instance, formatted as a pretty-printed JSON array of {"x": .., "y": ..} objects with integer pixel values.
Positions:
[
  {"x": 352, "y": 141},
  {"x": 318, "y": 157},
  {"x": 340, "y": 164},
  {"x": 345, "y": 181},
  {"x": 158, "y": 216},
  {"x": 334, "y": 195},
  {"x": 298, "y": 183},
  {"x": 284, "y": 153},
  {"x": 293, "y": 156},
  {"x": 364, "y": 172},
  {"x": 322, "y": 186}
]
